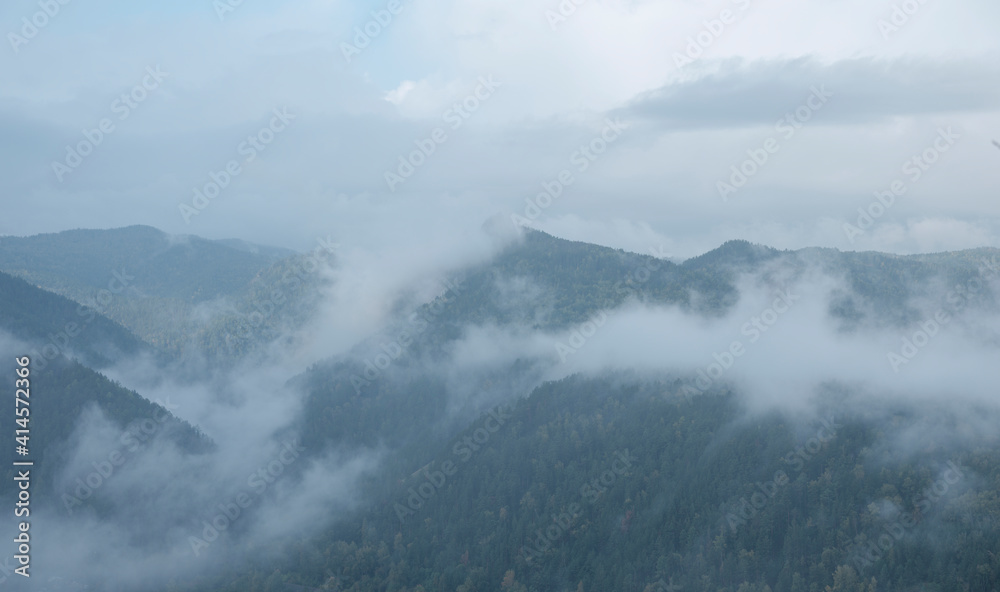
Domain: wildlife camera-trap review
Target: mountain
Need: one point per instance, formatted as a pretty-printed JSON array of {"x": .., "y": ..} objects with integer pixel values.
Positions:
[
  {"x": 734, "y": 254},
  {"x": 547, "y": 284},
  {"x": 619, "y": 484},
  {"x": 65, "y": 392},
  {"x": 491, "y": 524},
  {"x": 281, "y": 298},
  {"x": 83, "y": 262},
  {"x": 66, "y": 342},
  {"x": 56, "y": 326},
  {"x": 500, "y": 467},
  {"x": 555, "y": 283},
  {"x": 157, "y": 285}
]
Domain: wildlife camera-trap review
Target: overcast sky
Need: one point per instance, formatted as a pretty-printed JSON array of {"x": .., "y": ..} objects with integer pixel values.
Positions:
[{"x": 694, "y": 89}]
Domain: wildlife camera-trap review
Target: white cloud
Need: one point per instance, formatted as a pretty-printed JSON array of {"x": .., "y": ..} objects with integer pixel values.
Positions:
[{"x": 354, "y": 120}]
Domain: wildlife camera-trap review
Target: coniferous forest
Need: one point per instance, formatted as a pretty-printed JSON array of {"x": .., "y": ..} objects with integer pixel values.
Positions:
[{"x": 402, "y": 464}]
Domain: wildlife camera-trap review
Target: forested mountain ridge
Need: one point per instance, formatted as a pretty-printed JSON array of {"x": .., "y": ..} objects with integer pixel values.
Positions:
[
  {"x": 66, "y": 341},
  {"x": 548, "y": 284},
  {"x": 613, "y": 485},
  {"x": 556, "y": 282},
  {"x": 166, "y": 287},
  {"x": 472, "y": 532},
  {"x": 66, "y": 390},
  {"x": 79, "y": 263},
  {"x": 157, "y": 285},
  {"x": 279, "y": 300},
  {"x": 56, "y": 326},
  {"x": 490, "y": 473}
]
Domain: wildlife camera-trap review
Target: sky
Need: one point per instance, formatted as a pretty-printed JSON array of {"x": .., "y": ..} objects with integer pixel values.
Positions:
[{"x": 624, "y": 123}]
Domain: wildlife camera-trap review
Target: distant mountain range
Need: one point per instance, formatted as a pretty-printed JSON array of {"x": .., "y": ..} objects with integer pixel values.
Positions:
[
  {"x": 84, "y": 301},
  {"x": 161, "y": 287}
]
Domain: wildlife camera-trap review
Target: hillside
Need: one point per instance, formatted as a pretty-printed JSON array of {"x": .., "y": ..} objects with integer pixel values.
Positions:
[
  {"x": 64, "y": 391},
  {"x": 618, "y": 485},
  {"x": 489, "y": 471},
  {"x": 56, "y": 326},
  {"x": 153, "y": 283}
]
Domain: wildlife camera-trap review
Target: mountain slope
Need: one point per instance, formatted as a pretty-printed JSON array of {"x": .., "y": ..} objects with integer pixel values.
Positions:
[
  {"x": 81, "y": 262},
  {"x": 51, "y": 329},
  {"x": 55, "y": 326},
  {"x": 548, "y": 284},
  {"x": 465, "y": 493},
  {"x": 145, "y": 279},
  {"x": 63, "y": 390},
  {"x": 609, "y": 484}
]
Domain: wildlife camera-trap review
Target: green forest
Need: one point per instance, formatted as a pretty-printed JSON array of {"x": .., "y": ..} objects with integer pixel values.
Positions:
[
  {"x": 613, "y": 481},
  {"x": 539, "y": 505}
]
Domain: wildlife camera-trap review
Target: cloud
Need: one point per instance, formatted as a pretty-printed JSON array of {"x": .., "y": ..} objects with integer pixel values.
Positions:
[
  {"x": 867, "y": 91},
  {"x": 156, "y": 506},
  {"x": 779, "y": 347}
]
